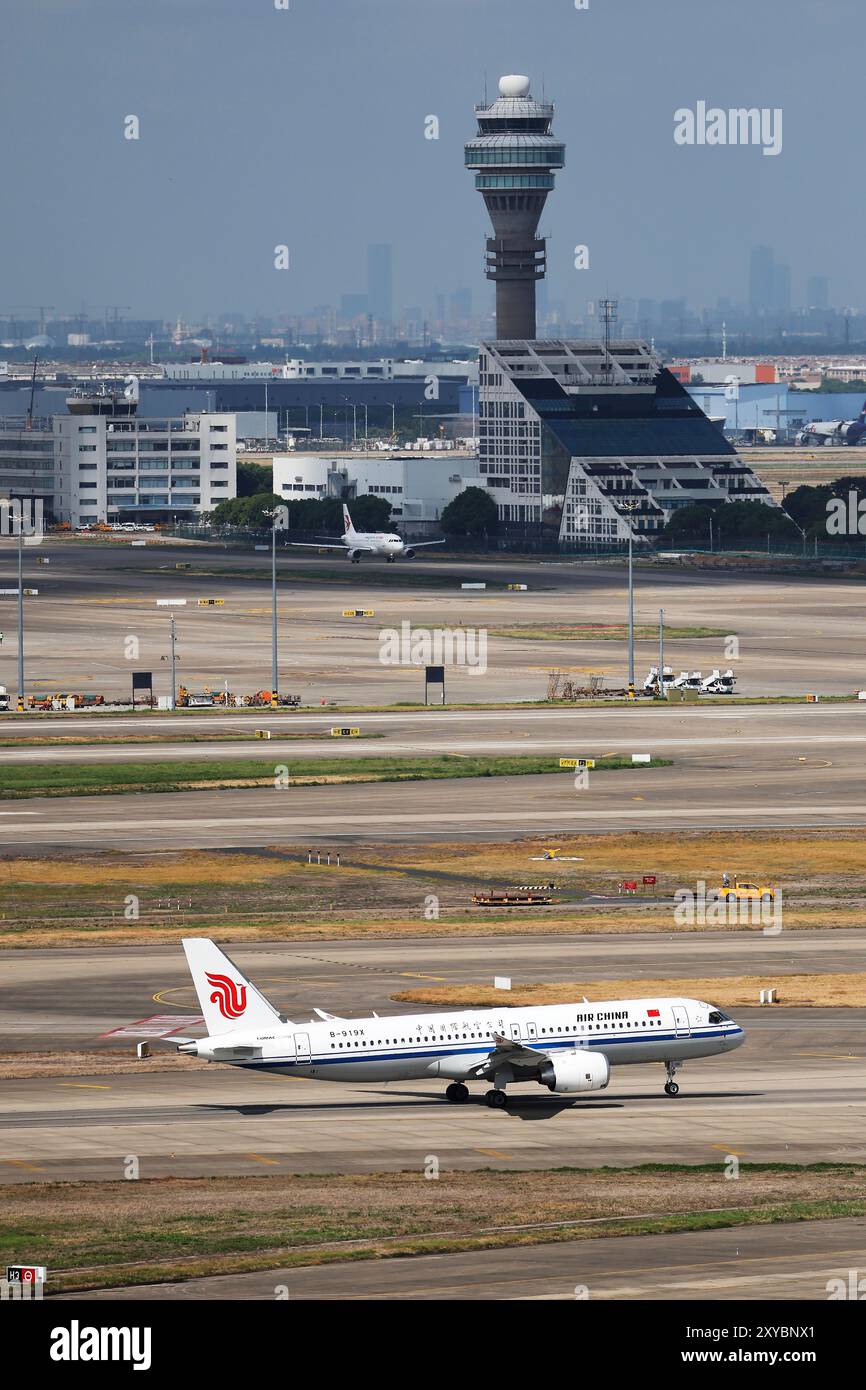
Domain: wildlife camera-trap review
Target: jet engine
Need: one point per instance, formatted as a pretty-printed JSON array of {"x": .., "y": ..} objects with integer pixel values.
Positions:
[
  {"x": 575, "y": 1071},
  {"x": 409, "y": 554},
  {"x": 355, "y": 556}
]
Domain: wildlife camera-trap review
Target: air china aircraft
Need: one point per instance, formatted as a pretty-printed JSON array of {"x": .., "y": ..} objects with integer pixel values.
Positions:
[
  {"x": 359, "y": 543},
  {"x": 566, "y": 1047}
]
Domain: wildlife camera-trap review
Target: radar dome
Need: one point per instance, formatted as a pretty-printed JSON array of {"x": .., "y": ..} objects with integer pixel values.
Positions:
[{"x": 514, "y": 86}]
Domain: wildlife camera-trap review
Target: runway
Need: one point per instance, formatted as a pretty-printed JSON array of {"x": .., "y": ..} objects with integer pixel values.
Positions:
[
  {"x": 788, "y": 730},
  {"x": 71, "y": 998},
  {"x": 793, "y": 1093},
  {"x": 704, "y": 795},
  {"x": 767, "y": 1263}
]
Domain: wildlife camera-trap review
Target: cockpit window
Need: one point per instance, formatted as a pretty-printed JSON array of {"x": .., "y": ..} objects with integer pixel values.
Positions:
[{"x": 716, "y": 1016}]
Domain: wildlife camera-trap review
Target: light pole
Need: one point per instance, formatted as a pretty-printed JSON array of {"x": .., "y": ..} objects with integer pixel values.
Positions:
[
  {"x": 275, "y": 678},
  {"x": 662, "y": 695},
  {"x": 173, "y": 667},
  {"x": 629, "y": 506},
  {"x": 21, "y": 603}
]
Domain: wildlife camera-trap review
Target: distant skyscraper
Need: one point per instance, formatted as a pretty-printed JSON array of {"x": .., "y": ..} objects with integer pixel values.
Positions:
[
  {"x": 782, "y": 287},
  {"x": 380, "y": 282},
  {"x": 762, "y": 287},
  {"x": 513, "y": 156},
  {"x": 817, "y": 292}
]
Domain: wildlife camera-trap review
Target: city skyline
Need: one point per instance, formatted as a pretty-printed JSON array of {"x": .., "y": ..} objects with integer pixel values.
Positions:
[{"x": 223, "y": 170}]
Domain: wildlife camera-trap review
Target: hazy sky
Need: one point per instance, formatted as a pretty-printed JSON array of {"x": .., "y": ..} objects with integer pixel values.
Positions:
[{"x": 261, "y": 126}]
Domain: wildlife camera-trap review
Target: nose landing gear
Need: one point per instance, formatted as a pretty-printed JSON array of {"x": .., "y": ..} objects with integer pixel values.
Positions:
[{"x": 671, "y": 1087}]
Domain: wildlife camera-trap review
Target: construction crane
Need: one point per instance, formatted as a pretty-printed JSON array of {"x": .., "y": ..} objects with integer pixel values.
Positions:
[{"x": 42, "y": 309}]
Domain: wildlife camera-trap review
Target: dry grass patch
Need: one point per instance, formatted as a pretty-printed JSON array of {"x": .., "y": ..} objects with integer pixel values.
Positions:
[
  {"x": 106, "y": 1234},
  {"x": 28, "y": 1066},
  {"x": 824, "y": 991}
]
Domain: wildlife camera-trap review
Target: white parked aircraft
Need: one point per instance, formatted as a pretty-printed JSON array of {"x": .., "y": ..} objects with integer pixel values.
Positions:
[
  {"x": 359, "y": 543},
  {"x": 566, "y": 1047},
  {"x": 834, "y": 431}
]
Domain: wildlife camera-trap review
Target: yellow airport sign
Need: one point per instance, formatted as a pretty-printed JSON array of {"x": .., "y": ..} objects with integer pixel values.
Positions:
[
  {"x": 359, "y": 613},
  {"x": 211, "y": 602},
  {"x": 577, "y": 762},
  {"x": 345, "y": 733}
]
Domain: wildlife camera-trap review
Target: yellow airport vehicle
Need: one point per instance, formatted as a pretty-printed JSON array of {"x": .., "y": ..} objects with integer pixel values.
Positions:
[{"x": 741, "y": 889}]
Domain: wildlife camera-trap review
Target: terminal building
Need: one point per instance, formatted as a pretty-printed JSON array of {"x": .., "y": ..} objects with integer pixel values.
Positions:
[{"x": 595, "y": 441}]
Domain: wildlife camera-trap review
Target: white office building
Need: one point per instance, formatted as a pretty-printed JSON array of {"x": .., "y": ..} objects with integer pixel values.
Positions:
[
  {"x": 111, "y": 467},
  {"x": 418, "y": 485}
]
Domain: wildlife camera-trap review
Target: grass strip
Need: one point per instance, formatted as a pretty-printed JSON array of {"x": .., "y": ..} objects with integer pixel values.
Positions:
[
  {"x": 102, "y": 1235},
  {"x": 93, "y": 779}
]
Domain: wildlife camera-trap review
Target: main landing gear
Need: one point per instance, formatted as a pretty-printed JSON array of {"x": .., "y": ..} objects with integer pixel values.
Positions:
[
  {"x": 671, "y": 1087},
  {"x": 457, "y": 1093},
  {"x": 497, "y": 1100}
]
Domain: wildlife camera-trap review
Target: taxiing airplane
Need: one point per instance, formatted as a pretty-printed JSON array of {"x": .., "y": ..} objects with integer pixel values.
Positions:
[
  {"x": 359, "y": 543},
  {"x": 834, "y": 431},
  {"x": 568, "y": 1048}
]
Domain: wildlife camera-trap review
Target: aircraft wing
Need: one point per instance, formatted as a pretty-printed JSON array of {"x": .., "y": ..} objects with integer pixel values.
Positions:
[
  {"x": 419, "y": 545},
  {"x": 514, "y": 1053}
]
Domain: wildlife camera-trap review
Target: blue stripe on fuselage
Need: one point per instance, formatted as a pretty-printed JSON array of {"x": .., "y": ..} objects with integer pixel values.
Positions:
[{"x": 434, "y": 1051}]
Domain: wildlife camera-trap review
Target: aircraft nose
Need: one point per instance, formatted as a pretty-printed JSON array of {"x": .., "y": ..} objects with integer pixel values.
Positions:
[{"x": 737, "y": 1038}]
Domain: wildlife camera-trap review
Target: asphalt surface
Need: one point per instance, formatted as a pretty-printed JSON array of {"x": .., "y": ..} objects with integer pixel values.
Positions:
[
  {"x": 697, "y": 797},
  {"x": 771, "y": 1263},
  {"x": 794, "y": 1092},
  {"x": 73, "y": 998},
  {"x": 96, "y": 619}
]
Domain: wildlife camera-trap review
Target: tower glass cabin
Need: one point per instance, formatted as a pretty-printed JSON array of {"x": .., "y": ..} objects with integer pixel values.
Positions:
[{"x": 514, "y": 155}]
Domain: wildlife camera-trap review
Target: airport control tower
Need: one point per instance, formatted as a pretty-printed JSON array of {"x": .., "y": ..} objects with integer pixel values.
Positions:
[{"x": 514, "y": 155}]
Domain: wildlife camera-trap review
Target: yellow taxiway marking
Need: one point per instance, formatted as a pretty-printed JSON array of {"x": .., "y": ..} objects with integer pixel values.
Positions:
[
  {"x": 19, "y": 1163},
  {"x": 725, "y": 1150},
  {"x": 84, "y": 1085},
  {"x": 493, "y": 1153},
  {"x": 260, "y": 1158},
  {"x": 414, "y": 975},
  {"x": 638, "y": 798}
]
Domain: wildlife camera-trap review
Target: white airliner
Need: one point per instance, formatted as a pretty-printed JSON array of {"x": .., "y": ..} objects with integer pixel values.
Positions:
[
  {"x": 359, "y": 543},
  {"x": 566, "y": 1047},
  {"x": 834, "y": 431}
]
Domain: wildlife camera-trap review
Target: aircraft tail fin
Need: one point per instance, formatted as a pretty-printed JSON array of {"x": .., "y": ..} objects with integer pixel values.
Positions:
[
  {"x": 348, "y": 528},
  {"x": 227, "y": 999}
]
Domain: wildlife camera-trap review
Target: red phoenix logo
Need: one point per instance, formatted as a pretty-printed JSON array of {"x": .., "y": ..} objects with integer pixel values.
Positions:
[{"x": 229, "y": 997}]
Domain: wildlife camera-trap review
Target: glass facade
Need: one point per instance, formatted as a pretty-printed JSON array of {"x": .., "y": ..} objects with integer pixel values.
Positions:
[
  {"x": 519, "y": 155},
  {"x": 544, "y": 181}
]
